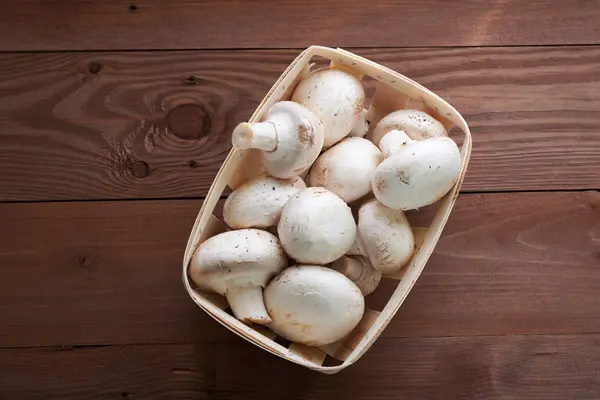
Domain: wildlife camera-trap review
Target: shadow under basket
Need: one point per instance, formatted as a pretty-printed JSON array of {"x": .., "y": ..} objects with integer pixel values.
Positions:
[{"x": 392, "y": 92}]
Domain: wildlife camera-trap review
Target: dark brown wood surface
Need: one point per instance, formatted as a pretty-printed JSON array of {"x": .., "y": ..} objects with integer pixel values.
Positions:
[
  {"x": 215, "y": 24},
  {"x": 158, "y": 124},
  {"x": 110, "y": 272},
  {"x": 486, "y": 367},
  {"x": 116, "y": 115}
]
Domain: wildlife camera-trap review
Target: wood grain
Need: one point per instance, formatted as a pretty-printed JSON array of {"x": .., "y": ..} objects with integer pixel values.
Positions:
[
  {"x": 185, "y": 24},
  {"x": 506, "y": 367},
  {"x": 157, "y": 125},
  {"x": 110, "y": 272}
]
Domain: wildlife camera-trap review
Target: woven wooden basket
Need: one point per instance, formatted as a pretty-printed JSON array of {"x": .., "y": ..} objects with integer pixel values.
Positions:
[{"x": 393, "y": 91}]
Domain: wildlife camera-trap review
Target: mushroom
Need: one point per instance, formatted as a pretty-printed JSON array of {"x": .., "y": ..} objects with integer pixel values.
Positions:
[
  {"x": 313, "y": 305},
  {"x": 259, "y": 201},
  {"x": 347, "y": 168},
  {"x": 393, "y": 141},
  {"x": 360, "y": 271},
  {"x": 316, "y": 227},
  {"x": 388, "y": 238},
  {"x": 238, "y": 265},
  {"x": 336, "y": 97},
  {"x": 417, "y": 174},
  {"x": 290, "y": 137},
  {"x": 415, "y": 123}
]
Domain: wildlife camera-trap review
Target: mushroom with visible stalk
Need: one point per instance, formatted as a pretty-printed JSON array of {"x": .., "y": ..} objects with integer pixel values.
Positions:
[
  {"x": 316, "y": 227},
  {"x": 360, "y": 271},
  {"x": 289, "y": 136},
  {"x": 313, "y": 305},
  {"x": 388, "y": 238},
  {"x": 415, "y": 123},
  {"x": 346, "y": 168},
  {"x": 337, "y": 98},
  {"x": 238, "y": 264},
  {"x": 259, "y": 201},
  {"x": 417, "y": 174}
]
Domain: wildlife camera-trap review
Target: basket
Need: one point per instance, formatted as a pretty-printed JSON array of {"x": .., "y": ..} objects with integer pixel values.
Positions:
[{"x": 392, "y": 91}]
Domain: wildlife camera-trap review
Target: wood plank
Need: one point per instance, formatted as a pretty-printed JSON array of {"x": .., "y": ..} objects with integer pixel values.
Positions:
[
  {"x": 157, "y": 125},
  {"x": 110, "y": 272},
  {"x": 184, "y": 24},
  {"x": 505, "y": 367}
]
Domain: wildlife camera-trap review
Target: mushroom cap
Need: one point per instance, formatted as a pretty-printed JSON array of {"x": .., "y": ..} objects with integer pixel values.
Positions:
[
  {"x": 417, "y": 125},
  {"x": 236, "y": 259},
  {"x": 316, "y": 226},
  {"x": 360, "y": 271},
  {"x": 417, "y": 174},
  {"x": 336, "y": 97},
  {"x": 347, "y": 168},
  {"x": 259, "y": 201},
  {"x": 299, "y": 139},
  {"x": 313, "y": 305},
  {"x": 387, "y": 236}
]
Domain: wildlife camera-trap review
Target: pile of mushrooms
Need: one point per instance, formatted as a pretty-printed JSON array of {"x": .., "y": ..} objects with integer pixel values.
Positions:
[{"x": 296, "y": 259}]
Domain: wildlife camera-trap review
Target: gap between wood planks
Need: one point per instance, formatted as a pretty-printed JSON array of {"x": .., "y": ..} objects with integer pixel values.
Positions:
[
  {"x": 237, "y": 339},
  {"x": 299, "y": 49},
  {"x": 224, "y": 197}
]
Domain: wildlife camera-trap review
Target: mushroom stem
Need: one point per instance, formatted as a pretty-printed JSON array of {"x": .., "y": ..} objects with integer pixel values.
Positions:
[
  {"x": 358, "y": 247},
  {"x": 361, "y": 127},
  {"x": 393, "y": 141},
  {"x": 351, "y": 267},
  {"x": 248, "y": 305},
  {"x": 360, "y": 271},
  {"x": 256, "y": 135}
]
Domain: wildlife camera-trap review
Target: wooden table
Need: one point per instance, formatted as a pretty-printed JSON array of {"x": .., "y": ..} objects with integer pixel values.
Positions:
[{"x": 115, "y": 117}]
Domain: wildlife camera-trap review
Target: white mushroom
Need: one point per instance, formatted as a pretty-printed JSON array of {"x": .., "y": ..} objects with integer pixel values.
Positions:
[
  {"x": 347, "y": 168},
  {"x": 415, "y": 123},
  {"x": 336, "y": 97},
  {"x": 238, "y": 265},
  {"x": 387, "y": 236},
  {"x": 313, "y": 305},
  {"x": 258, "y": 202},
  {"x": 290, "y": 137},
  {"x": 316, "y": 227},
  {"x": 393, "y": 141},
  {"x": 418, "y": 174},
  {"x": 360, "y": 271}
]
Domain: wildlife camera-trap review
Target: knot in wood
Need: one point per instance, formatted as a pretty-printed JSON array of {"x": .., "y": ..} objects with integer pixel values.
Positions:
[
  {"x": 140, "y": 169},
  {"x": 189, "y": 122}
]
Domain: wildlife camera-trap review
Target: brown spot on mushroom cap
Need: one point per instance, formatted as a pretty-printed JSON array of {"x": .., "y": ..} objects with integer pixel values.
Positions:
[
  {"x": 306, "y": 134},
  {"x": 402, "y": 177},
  {"x": 380, "y": 183},
  {"x": 360, "y": 105}
]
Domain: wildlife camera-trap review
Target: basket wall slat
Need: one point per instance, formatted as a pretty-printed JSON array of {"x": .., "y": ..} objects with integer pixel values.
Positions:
[{"x": 310, "y": 354}]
